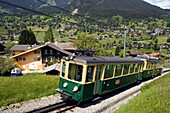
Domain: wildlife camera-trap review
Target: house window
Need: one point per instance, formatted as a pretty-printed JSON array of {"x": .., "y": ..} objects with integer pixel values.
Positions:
[
  {"x": 51, "y": 52},
  {"x": 58, "y": 52},
  {"x": 20, "y": 59},
  {"x": 35, "y": 59},
  {"x": 35, "y": 52},
  {"x": 24, "y": 59},
  {"x": 38, "y": 52},
  {"x": 46, "y": 52},
  {"x": 38, "y": 59}
]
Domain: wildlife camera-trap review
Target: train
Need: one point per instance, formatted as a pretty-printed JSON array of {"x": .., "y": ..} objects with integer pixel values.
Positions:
[{"x": 84, "y": 77}]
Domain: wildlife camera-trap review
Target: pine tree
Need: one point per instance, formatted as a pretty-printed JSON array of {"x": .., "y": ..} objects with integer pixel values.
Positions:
[
  {"x": 130, "y": 45},
  {"x": 27, "y": 37},
  {"x": 49, "y": 35},
  {"x": 117, "y": 51},
  {"x": 139, "y": 45}
]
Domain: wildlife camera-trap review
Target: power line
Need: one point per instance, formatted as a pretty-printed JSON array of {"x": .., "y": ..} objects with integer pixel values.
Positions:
[{"x": 7, "y": 3}]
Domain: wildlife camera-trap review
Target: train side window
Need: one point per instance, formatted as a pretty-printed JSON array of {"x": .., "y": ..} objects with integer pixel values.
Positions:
[
  {"x": 90, "y": 70},
  {"x": 147, "y": 66},
  {"x": 118, "y": 70},
  {"x": 63, "y": 69},
  {"x": 126, "y": 69},
  {"x": 136, "y": 67},
  {"x": 141, "y": 67},
  {"x": 132, "y": 68},
  {"x": 152, "y": 66},
  {"x": 75, "y": 72},
  {"x": 108, "y": 71}
]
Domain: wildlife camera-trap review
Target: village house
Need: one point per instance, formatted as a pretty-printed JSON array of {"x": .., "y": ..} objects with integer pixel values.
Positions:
[
  {"x": 159, "y": 31},
  {"x": 39, "y": 57},
  {"x": 133, "y": 53}
]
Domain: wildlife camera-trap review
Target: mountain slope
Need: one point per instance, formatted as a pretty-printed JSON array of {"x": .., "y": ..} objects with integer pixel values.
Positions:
[
  {"x": 106, "y": 8},
  {"x": 33, "y": 4}
]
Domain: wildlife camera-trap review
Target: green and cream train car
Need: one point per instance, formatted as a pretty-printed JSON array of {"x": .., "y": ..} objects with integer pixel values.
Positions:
[
  {"x": 83, "y": 77},
  {"x": 152, "y": 67}
]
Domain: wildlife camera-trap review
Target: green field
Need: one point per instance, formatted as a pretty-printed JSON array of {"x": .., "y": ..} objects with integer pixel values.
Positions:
[
  {"x": 27, "y": 87},
  {"x": 162, "y": 39},
  {"x": 153, "y": 99}
]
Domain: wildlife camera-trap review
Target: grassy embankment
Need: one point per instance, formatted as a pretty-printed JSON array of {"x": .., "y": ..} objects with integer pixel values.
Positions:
[
  {"x": 167, "y": 63},
  {"x": 153, "y": 99},
  {"x": 27, "y": 87}
]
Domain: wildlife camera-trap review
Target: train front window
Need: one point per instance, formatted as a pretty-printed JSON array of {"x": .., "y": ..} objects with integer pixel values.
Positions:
[
  {"x": 90, "y": 70},
  {"x": 63, "y": 69},
  {"x": 75, "y": 72}
]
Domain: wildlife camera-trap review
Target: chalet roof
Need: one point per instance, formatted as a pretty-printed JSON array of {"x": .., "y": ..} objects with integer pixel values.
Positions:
[
  {"x": 65, "y": 46},
  {"x": 23, "y": 47},
  {"x": 134, "y": 52},
  {"x": 52, "y": 45}
]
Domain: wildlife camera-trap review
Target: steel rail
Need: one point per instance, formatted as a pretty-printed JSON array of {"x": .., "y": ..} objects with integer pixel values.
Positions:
[{"x": 49, "y": 108}]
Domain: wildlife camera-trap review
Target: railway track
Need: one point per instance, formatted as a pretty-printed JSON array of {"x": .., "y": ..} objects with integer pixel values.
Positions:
[{"x": 57, "y": 108}]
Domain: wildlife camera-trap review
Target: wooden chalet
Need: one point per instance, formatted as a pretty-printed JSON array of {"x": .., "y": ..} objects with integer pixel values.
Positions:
[{"x": 38, "y": 57}]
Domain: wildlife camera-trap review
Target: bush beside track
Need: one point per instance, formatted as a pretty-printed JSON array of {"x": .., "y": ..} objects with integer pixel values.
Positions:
[
  {"x": 27, "y": 87},
  {"x": 154, "y": 98}
]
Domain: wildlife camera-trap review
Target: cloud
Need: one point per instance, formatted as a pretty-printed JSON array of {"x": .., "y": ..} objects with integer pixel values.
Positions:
[{"x": 165, "y": 4}]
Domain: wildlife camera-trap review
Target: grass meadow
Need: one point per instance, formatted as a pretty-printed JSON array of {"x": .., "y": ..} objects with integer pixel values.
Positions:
[
  {"x": 153, "y": 99},
  {"x": 27, "y": 87}
]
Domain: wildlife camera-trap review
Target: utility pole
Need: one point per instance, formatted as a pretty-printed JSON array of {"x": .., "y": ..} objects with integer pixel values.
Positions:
[
  {"x": 160, "y": 52},
  {"x": 124, "y": 44}
]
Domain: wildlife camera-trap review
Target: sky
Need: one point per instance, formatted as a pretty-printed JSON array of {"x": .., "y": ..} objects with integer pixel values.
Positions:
[{"x": 164, "y": 4}]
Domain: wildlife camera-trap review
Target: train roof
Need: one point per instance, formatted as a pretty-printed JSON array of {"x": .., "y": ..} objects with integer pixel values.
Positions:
[
  {"x": 151, "y": 60},
  {"x": 148, "y": 58},
  {"x": 103, "y": 60}
]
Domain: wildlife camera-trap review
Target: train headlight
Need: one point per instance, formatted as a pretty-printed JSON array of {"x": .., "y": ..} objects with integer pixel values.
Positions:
[
  {"x": 75, "y": 89},
  {"x": 65, "y": 85}
]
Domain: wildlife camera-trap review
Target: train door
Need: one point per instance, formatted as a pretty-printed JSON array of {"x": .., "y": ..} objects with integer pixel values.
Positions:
[{"x": 97, "y": 79}]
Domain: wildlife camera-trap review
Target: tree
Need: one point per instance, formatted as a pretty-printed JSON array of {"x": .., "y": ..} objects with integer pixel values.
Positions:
[
  {"x": 114, "y": 42},
  {"x": 130, "y": 45},
  {"x": 168, "y": 40},
  {"x": 83, "y": 42},
  {"x": 49, "y": 35},
  {"x": 139, "y": 45},
  {"x": 6, "y": 64},
  {"x": 156, "y": 40},
  {"x": 27, "y": 37},
  {"x": 117, "y": 51}
]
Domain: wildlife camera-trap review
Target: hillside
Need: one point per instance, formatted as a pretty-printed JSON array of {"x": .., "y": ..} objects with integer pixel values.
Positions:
[{"x": 107, "y": 8}]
